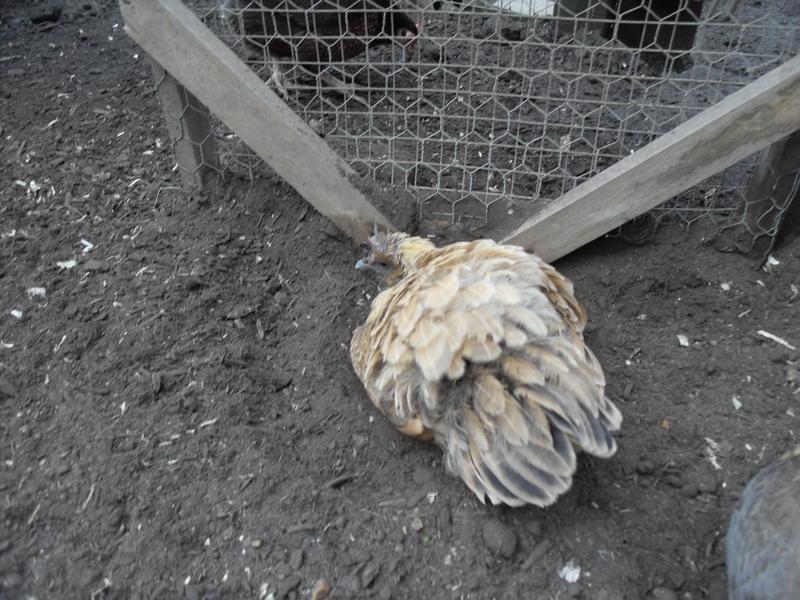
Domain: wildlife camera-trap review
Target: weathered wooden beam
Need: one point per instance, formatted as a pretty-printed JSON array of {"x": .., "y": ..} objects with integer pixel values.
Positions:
[
  {"x": 770, "y": 188},
  {"x": 189, "y": 127},
  {"x": 771, "y": 191},
  {"x": 204, "y": 65},
  {"x": 745, "y": 122}
]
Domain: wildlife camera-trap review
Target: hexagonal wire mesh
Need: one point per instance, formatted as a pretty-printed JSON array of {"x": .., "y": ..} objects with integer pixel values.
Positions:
[
  {"x": 510, "y": 99},
  {"x": 189, "y": 125}
]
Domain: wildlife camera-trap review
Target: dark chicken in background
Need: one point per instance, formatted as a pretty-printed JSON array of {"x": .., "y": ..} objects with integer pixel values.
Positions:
[
  {"x": 763, "y": 541},
  {"x": 316, "y": 33}
]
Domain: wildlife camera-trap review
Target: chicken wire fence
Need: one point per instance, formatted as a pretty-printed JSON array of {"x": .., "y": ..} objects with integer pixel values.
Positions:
[{"x": 512, "y": 100}]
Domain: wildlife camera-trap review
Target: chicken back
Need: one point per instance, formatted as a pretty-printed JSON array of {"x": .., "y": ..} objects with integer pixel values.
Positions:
[
  {"x": 763, "y": 541},
  {"x": 478, "y": 347}
]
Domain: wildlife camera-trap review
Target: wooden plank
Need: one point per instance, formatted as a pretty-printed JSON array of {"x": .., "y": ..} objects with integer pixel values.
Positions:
[
  {"x": 189, "y": 126},
  {"x": 743, "y": 123},
  {"x": 770, "y": 188},
  {"x": 204, "y": 65}
]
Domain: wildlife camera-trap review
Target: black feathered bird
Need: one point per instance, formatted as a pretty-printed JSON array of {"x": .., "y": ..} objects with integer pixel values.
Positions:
[
  {"x": 315, "y": 33},
  {"x": 763, "y": 541}
]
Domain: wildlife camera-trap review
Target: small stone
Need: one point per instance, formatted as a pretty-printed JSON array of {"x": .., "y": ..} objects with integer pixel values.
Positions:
[
  {"x": 689, "y": 490},
  {"x": 489, "y": 27},
  {"x": 676, "y": 578},
  {"x": 385, "y": 593},
  {"x": 115, "y": 518},
  {"x": 540, "y": 550},
  {"x": 320, "y": 590},
  {"x": 281, "y": 298},
  {"x": 46, "y": 14},
  {"x": 707, "y": 485},
  {"x": 89, "y": 577},
  {"x": 750, "y": 340},
  {"x": 499, "y": 538},
  {"x": 256, "y": 543},
  {"x": 192, "y": 593},
  {"x": 779, "y": 355},
  {"x": 717, "y": 589},
  {"x": 287, "y": 585},
  {"x": 674, "y": 480},
  {"x": 628, "y": 391},
  {"x": 416, "y": 524},
  {"x": 662, "y": 593},
  {"x": 273, "y": 285},
  {"x": 423, "y": 477},
  {"x": 95, "y": 265},
  {"x": 11, "y": 580},
  {"x": 534, "y": 528},
  {"x": 296, "y": 559},
  {"x": 317, "y": 126},
  {"x": 645, "y": 467},
  {"x": 189, "y": 403},
  {"x": 7, "y": 389},
  {"x": 369, "y": 574}
]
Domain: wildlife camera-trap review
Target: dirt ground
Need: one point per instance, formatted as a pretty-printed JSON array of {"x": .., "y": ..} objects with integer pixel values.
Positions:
[{"x": 179, "y": 418}]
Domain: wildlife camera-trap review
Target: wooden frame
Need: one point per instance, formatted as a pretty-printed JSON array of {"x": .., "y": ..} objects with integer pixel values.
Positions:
[
  {"x": 745, "y": 122},
  {"x": 175, "y": 38},
  {"x": 749, "y": 120},
  {"x": 771, "y": 192}
]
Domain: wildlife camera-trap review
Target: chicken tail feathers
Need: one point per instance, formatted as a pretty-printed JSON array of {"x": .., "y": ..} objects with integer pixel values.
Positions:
[{"x": 519, "y": 445}]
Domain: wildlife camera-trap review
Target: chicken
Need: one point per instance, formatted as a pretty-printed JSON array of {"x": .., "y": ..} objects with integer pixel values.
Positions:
[
  {"x": 478, "y": 347},
  {"x": 763, "y": 541},
  {"x": 314, "y": 33}
]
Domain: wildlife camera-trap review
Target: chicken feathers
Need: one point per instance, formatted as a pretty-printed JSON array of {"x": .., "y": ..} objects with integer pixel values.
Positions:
[
  {"x": 479, "y": 347},
  {"x": 763, "y": 541}
]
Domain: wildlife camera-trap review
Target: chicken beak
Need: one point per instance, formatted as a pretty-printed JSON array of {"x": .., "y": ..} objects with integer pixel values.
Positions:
[{"x": 361, "y": 265}]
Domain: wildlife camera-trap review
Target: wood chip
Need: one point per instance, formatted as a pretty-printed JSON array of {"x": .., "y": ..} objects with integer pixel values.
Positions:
[
  {"x": 340, "y": 480},
  {"x": 775, "y": 338}
]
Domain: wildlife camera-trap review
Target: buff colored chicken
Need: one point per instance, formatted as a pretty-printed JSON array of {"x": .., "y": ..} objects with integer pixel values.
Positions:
[{"x": 478, "y": 347}]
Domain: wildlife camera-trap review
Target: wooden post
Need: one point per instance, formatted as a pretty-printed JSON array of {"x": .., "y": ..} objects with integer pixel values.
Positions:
[
  {"x": 770, "y": 193},
  {"x": 745, "y": 122},
  {"x": 189, "y": 126},
  {"x": 206, "y": 67}
]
